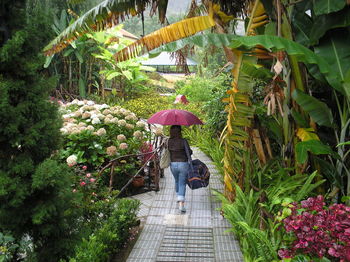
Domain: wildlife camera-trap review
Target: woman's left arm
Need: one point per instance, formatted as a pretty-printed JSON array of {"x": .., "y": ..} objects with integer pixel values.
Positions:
[{"x": 188, "y": 146}]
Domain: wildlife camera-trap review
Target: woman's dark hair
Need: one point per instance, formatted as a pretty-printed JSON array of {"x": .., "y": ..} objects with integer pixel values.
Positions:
[{"x": 175, "y": 132}]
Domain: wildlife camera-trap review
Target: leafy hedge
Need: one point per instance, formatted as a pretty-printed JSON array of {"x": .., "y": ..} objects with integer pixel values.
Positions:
[{"x": 110, "y": 236}]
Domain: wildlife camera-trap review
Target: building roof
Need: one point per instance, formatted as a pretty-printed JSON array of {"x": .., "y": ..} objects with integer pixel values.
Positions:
[{"x": 164, "y": 58}]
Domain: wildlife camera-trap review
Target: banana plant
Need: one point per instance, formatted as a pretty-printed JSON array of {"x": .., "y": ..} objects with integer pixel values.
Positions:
[{"x": 128, "y": 74}]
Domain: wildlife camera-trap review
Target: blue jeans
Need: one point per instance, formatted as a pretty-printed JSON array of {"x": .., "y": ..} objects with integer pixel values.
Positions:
[{"x": 180, "y": 171}]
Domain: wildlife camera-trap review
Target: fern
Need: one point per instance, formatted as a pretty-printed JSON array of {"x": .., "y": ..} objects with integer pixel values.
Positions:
[{"x": 259, "y": 242}]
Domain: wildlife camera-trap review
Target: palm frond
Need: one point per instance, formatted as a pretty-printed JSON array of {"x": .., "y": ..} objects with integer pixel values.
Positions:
[
  {"x": 170, "y": 33},
  {"x": 105, "y": 15}
]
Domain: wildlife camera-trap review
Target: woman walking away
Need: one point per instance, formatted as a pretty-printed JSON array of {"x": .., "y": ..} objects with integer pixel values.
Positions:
[{"x": 179, "y": 165}]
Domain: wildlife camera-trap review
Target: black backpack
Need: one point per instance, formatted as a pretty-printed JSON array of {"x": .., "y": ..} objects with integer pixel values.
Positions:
[{"x": 198, "y": 174}]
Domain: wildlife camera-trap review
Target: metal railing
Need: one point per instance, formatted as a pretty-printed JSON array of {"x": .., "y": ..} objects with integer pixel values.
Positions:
[{"x": 150, "y": 161}]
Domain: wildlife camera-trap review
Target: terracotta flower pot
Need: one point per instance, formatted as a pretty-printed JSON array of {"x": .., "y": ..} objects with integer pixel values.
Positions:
[{"x": 138, "y": 181}]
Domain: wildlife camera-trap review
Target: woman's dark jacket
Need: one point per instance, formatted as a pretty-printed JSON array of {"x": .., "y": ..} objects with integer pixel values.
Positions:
[{"x": 176, "y": 147}]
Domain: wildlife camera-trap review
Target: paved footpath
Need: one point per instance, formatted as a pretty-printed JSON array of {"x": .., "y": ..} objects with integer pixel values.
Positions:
[{"x": 198, "y": 235}]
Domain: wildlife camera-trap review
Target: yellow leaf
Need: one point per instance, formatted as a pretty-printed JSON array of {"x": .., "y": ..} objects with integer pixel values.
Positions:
[
  {"x": 228, "y": 182},
  {"x": 306, "y": 134},
  {"x": 170, "y": 33}
]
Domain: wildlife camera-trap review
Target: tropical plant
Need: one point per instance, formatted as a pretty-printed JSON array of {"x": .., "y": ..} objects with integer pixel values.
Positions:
[
  {"x": 253, "y": 214},
  {"x": 127, "y": 75}
]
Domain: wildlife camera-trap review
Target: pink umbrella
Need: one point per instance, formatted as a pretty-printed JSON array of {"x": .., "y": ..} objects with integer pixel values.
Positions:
[{"x": 174, "y": 117}]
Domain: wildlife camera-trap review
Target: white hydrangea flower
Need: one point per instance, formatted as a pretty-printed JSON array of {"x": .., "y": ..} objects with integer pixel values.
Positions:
[
  {"x": 101, "y": 132},
  {"x": 75, "y": 130},
  {"x": 123, "y": 146},
  {"x": 140, "y": 124},
  {"x": 106, "y": 112},
  {"x": 114, "y": 120},
  {"x": 71, "y": 120},
  {"x": 82, "y": 124},
  {"x": 129, "y": 117},
  {"x": 90, "y": 103},
  {"x": 100, "y": 116},
  {"x": 123, "y": 111},
  {"x": 129, "y": 126},
  {"x": 74, "y": 102},
  {"x": 84, "y": 108},
  {"x": 158, "y": 131},
  {"x": 121, "y": 137},
  {"x": 64, "y": 130},
  {"x": 121, "y": 122},
  {"x": 138, "y": 134},
  {"x": 72, "y": 160},
  {"x": 103, "y": 106},
  {"x": 111, "y": 150},
  {"x": 95, "y": 121},
  {"x": 107, "y": 120},
  {"x": 86, "y": 115},
  {"x": 80, "y": 103},
  {"x": 90, "y": 127}
]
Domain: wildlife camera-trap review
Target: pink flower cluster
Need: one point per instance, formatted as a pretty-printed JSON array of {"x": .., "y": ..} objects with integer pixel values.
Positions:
[
  {"x": 89, "y": 178},
  {"x": 319, "y": 231}
]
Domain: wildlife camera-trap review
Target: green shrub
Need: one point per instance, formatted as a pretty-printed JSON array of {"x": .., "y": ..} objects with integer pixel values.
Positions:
[
  {"x": 8, "y": 247},
  {"x": 147, "y": 105},
  {"x": 109, "y": 238},
  {"x": 35, "y": 197},
  {"x": 199, "y": 89}
]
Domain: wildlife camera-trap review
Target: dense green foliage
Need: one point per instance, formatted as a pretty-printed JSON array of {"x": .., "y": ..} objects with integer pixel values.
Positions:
[
  {"x": 41, "y": 216},
  {"x": 33, "y": 201},
  {"x": 108, "y": 238}
]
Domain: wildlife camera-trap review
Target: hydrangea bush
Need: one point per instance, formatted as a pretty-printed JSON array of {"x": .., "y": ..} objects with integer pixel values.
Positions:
[
  {"x": 95, "y": 133},
  {"x": 318, "y": 231}
]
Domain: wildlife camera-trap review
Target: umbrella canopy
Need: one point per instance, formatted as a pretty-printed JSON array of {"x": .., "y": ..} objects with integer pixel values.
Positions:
[{"x": 174, "y": 117}]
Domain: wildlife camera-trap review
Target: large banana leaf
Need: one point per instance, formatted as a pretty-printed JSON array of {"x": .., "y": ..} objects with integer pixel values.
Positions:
[
  {"x": 256, "y": 71},
  {"x": 347, "y": 83},
  {"x": 270, "y": 42},
  {"x": 335, "y": 49},
  {"x": 314, "y": 146},
  {"x": 328, "y": 6},
  {"x": 317, "y": 110},
  {"x": 302, "y": 53},
  {"x": 302, "y": 24},
  {"x": 204, "y": 40},
  {"x": 105, "y": 15},
  {"x": 324, "y": 23},
  {"x": 170, "y": 33}
]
